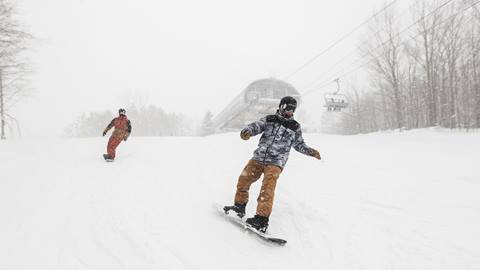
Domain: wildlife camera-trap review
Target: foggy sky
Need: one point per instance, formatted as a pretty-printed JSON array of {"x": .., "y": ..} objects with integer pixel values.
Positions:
[{"x": 184, "y": 56}]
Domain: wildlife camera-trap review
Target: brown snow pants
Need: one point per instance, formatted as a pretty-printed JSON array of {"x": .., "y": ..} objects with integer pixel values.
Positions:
[
  {"x": 251, "y": 173},
  {"x": 113, "y": 142}
]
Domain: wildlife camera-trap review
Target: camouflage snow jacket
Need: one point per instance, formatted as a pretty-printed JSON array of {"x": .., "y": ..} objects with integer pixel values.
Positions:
[{"x": 279, "y": 136}]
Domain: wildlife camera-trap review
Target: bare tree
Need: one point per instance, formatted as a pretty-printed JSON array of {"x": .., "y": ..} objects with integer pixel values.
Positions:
[
  {"x": 472, "y": 63},
  {"x": 452, "y": 45},
  {"x": 385, "y": 51},
  {"x": 13, "y": 65}
]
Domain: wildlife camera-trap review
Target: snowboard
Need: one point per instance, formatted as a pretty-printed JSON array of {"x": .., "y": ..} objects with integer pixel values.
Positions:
[
  {"x": 234, "y": 219},
  {"x": 105, "y": 156}
]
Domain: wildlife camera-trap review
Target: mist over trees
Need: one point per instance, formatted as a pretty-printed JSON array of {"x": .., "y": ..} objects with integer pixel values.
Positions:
[
  {"x": 13, "y": 65},
  {"x": 146, "y": 121},
  {"x": 423, "y": 71},
  {"x": 206, "y": 127}
]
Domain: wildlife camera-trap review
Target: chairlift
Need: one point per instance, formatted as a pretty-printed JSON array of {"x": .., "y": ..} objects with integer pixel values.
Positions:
[{"x": 335, "y": 102}]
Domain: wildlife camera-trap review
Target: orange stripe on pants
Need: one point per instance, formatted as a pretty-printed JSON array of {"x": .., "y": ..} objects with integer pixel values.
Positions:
[{"x": 251, "y": 173}]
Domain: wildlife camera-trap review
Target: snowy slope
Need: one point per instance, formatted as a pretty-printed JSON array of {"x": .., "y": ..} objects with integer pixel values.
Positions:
[{"x": 378, "y": 201}]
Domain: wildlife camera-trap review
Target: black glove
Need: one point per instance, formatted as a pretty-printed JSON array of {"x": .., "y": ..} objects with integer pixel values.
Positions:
[{"x": 104, "y": 133}]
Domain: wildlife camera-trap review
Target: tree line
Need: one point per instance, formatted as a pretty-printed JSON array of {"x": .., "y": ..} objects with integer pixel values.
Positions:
[
  {"x": 423, "y": 71},
  {"x": 146, "y": 121}
]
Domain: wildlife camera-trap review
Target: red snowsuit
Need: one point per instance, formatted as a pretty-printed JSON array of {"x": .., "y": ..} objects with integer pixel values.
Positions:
[{"x": 121, "y": 132}]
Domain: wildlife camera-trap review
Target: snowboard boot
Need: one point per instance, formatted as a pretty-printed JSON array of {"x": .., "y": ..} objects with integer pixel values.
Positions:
[
  {"x": 107, "y": 157},
  {"x": 238, "y": 208},
  {"x": 259, "y": 223}
]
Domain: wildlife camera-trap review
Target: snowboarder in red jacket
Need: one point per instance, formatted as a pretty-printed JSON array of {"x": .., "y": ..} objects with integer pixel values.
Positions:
[{"x": 122, "y": 130}]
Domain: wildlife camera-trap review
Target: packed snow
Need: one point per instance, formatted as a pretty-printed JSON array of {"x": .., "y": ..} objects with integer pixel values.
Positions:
[{"x": 408, "y": 200}]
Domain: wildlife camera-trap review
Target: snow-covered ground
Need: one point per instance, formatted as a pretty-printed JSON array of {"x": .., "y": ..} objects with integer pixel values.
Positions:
[{"x": 381, "y": 201}]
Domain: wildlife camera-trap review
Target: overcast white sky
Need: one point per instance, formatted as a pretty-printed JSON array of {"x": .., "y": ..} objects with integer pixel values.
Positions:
[{"x": 185, "y": 56}]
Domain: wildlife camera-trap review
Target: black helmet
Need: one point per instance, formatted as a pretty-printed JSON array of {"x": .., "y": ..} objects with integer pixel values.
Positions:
[
  {"x": 288, "y": 103},
  {"x": 122, "y": 111}
]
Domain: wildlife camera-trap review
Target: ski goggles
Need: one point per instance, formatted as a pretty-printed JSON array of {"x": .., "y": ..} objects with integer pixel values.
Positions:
[{"x": 289, "y": 107}]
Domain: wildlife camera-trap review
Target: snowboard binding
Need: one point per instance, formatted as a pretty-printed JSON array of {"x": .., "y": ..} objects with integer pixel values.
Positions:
[
  {"x": 107, "y": 158},
  {"x": 238, "y": 208},
  {"x": 258, "y": 223}
]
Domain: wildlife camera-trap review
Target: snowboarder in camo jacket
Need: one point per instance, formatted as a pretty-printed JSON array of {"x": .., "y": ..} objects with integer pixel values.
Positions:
[
  {"x": 122, "y": 130},
  {"x": 280, "y": 133}
]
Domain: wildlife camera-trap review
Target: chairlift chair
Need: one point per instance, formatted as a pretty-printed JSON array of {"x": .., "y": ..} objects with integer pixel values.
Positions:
[{"x": 334, "y": 101}]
